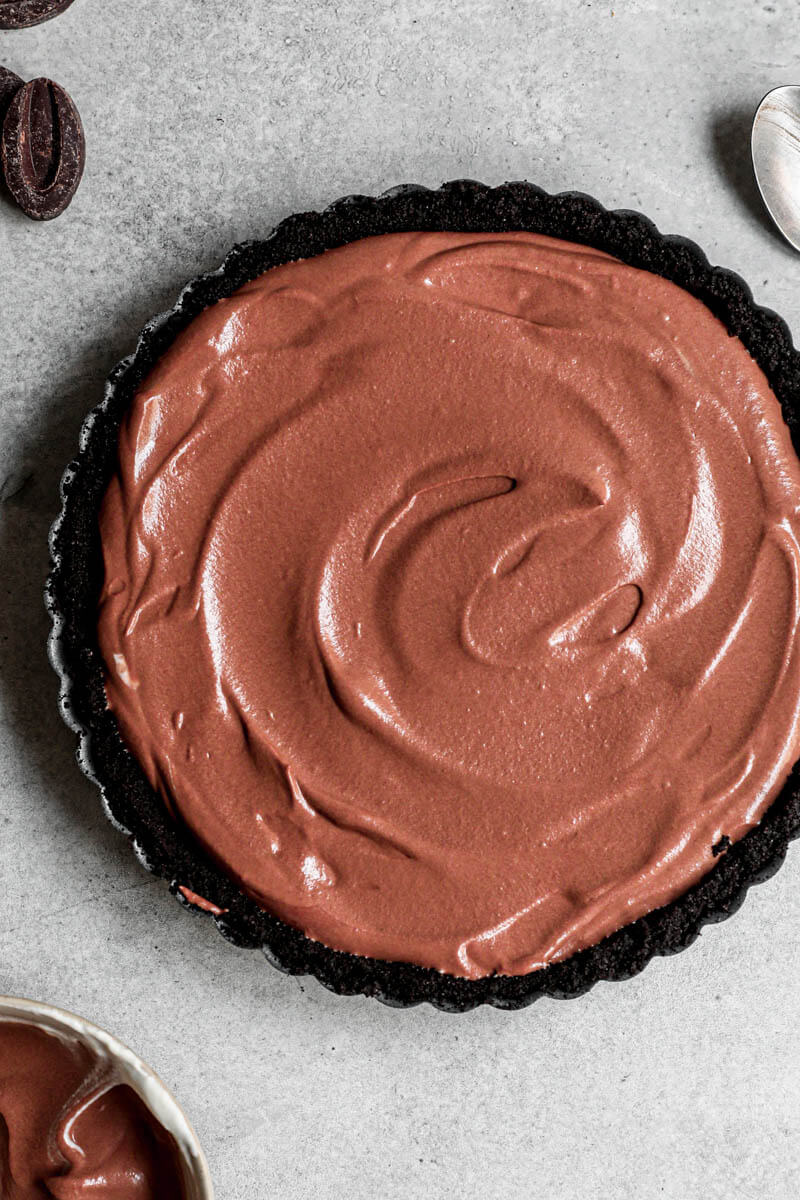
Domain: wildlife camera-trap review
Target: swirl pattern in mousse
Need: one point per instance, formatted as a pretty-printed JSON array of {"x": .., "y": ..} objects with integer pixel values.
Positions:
[
  {"x": 451, "y": 594},
  {"x": 70, "y": 1128}
]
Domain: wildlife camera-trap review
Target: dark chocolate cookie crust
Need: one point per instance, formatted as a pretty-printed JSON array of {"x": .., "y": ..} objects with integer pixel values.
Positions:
[{"x": 76, "y": 576}]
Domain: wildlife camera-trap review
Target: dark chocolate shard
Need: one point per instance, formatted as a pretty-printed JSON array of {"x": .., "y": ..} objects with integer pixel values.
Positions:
[
  {"x": 21, "y": 14},
  {"x": 9, "y": 86}
]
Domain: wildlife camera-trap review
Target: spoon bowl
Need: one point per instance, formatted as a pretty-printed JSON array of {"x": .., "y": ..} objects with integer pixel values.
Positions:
[{"x": 775, "y": 148}]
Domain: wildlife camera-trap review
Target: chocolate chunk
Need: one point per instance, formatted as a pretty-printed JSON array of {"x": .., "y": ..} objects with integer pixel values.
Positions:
[
  {"x": 20, "y": 14},
  {"x": 43, "y": 149},
  {"x": 9, "y": 86}
]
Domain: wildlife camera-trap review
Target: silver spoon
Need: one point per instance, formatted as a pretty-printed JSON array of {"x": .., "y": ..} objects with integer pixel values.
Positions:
[{"x": 775, "y": 147}]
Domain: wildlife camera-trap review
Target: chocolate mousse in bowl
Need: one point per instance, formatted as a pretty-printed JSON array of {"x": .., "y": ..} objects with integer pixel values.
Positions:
[
  {"x": 81, "y": 1115},
  {"x": 426, "y": 594}
]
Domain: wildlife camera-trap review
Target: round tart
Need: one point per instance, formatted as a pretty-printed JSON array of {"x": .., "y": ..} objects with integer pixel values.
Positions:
[{"x": 428, "y": 607}]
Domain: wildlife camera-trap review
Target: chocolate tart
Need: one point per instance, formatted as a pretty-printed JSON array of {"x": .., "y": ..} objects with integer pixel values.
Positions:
[{"x": 167, "y": 849}]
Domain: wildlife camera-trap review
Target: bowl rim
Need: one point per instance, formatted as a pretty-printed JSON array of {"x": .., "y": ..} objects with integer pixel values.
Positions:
[
  {"x": 166, "y": 849},
  {"x": 133, "y": 1070}
]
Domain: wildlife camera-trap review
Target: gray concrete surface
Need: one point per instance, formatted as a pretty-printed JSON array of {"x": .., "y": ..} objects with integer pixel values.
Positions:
[{"x": 208, "y": 120}]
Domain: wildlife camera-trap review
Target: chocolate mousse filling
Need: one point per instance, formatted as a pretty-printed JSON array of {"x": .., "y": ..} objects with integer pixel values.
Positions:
[
  {"x": 451, "y": 594},
  {"x": 70, "y": 1128}
]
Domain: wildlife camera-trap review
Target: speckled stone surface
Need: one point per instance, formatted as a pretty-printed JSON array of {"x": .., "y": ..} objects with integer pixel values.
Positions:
[{"x": 207, "y": 121}]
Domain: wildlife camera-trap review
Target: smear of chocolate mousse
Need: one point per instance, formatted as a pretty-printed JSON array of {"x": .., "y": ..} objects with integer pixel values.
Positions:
[{"x": 70, "y": 1129}]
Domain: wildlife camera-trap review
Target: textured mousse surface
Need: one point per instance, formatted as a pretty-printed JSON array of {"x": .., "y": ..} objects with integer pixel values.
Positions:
[{"x": 451, "y": 594}]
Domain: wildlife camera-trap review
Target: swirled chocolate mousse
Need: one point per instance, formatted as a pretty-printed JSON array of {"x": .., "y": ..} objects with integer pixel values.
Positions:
[
  {"x": 451, "y": 594},
  {"x": 69, "y": 1128}
]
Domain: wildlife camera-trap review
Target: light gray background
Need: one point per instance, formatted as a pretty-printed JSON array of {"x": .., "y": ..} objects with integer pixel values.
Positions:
[{"x": 207, "y": 121}]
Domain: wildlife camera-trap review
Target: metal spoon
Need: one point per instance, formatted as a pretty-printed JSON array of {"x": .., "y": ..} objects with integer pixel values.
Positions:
[{"x": 775, "y": 147}]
